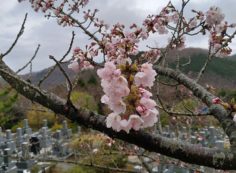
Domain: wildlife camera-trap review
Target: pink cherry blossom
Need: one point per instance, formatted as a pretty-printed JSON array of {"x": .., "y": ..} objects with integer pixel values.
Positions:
[
  {"x": 145, "y": 93},
  {"x": 150, "y": 118},
  {"x": 214, "y": 16},
  {"x": 74, "y": 65},
  {"x": 115, "y": 87},
  {"x": 193, "y": 23},
  {"x": 113, "y": 121},
  {"x": 147, "y": 103},
  {"x": 146, "y": 77},
  {"x": 135, "y": 122}
]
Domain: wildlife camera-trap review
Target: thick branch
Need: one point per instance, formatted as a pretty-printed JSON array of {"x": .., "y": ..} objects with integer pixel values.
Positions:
[
  {"x": 217, "y": 111},
  {"x": 186, "y": 152}
]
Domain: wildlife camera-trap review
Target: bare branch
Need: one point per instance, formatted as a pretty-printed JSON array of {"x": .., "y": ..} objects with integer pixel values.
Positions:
[
  {"x": 60, "y": 61},
  {"x": 177, "y": 30},
  {"x": 17, "y": 37},
  {"x": 30, "y": 61},
  {"x": 181, "y": 113},
  {"x": 211, "y": 55},
  {"x": 66, "y": 76},
  {"x": 187, "y": 63}
]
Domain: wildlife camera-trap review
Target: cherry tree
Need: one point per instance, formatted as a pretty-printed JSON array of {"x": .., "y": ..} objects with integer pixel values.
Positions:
[{"x": 129, "y": 76}]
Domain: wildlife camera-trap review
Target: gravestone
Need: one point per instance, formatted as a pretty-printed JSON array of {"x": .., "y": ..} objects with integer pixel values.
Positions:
[
  {"x": 8, "y": 164},
  {"x": 66, "y": 132},
  {"x": 26, "y": 129},
  {"x": 25, "y": 163},
  {"x": 19, "y": 137}
]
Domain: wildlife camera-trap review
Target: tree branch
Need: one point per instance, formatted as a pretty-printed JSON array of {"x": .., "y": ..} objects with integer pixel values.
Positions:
[
  {"x": 186, "y": 152},
  {"x": 70, "y": 86},
  {"x": 17, "y": 37},
  {"x": 60, "y": 61},
  {"x": 30, "y": 61},
  {"x": 217, "y": 111}
]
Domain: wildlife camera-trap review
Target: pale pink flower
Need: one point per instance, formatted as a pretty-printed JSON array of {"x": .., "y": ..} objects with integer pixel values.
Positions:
[
  {"x": 107, "y": 72},
  {"x": 175, "y": 17},
  {"x": 150, "y": 118},
  {"x": 115, "y": 87},
  {"x": 140, "y": 109},
  {"x": 86, "y": 65},
  {"x": 105, "y": 99},
  {"x": 193, "y": 23},
  {"x": 146, "y": 77},
  {"x": 125, "y": 125},
  {"x": 145, "y": 93},
  {"x": 214, "y": 16},
  {"x": 74, "y": 65},
  {"x": 143, "y": 34},
  {"x": 147, "y": 103},
  {"x": 135, "y": 121},
  {"x": 117, "y": 106},
  {"x": 113, "y": 121},
  {"x": 221, "y": 27}
]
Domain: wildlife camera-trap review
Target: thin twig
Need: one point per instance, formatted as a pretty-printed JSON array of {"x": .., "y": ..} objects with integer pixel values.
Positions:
[
  {"x": 60, "y": 61},
  {"x": 210, "y": 55},
  {"x": 181, "y": 113},
  {"x": 30, "y": 61},
  {"x": 161, "y": 106},
  {"x": 66, "y": 76},
  {"x": 187, "y": 63},
  {"x": 176, "y": 30},
  {"x": 17, "y": 37}
]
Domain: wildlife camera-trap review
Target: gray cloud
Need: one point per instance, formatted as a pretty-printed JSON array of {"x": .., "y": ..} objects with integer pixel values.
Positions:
[{"x": 54, "y": 39}]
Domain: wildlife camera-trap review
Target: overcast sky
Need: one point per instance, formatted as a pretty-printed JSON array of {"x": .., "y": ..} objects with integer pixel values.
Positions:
[{"x": 54, "y": 39}]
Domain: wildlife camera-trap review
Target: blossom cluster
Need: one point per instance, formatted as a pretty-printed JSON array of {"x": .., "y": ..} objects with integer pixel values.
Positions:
[
  {"x": 131, "y": 104},
  {"x": 217, "y": 27},
  {"x": 82, "y": 59}
]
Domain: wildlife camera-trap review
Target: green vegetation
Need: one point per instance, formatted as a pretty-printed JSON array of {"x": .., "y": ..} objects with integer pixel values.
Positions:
[
  {"x": 83, "y": 99},
  {"x": 227, "y": 95},
  {"x": 92, "y": 80},
  {"x": 8, "y": 98},
  {"x": 80, "y": 169},
  {"x": 219, "y": 66},
  {"x": 95, "y": 149},
  {"x": 37, "y": 114}
]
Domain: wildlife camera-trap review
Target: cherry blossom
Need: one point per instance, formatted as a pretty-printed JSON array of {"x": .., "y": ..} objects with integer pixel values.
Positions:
[
  {"x": 214, "y": 16},
  {"x": 74, "y": 65},
  {"x": 146, "y": 77}
]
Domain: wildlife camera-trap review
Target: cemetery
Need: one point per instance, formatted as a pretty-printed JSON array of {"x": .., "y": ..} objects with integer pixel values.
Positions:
[{"x": 21, "y": 151}]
